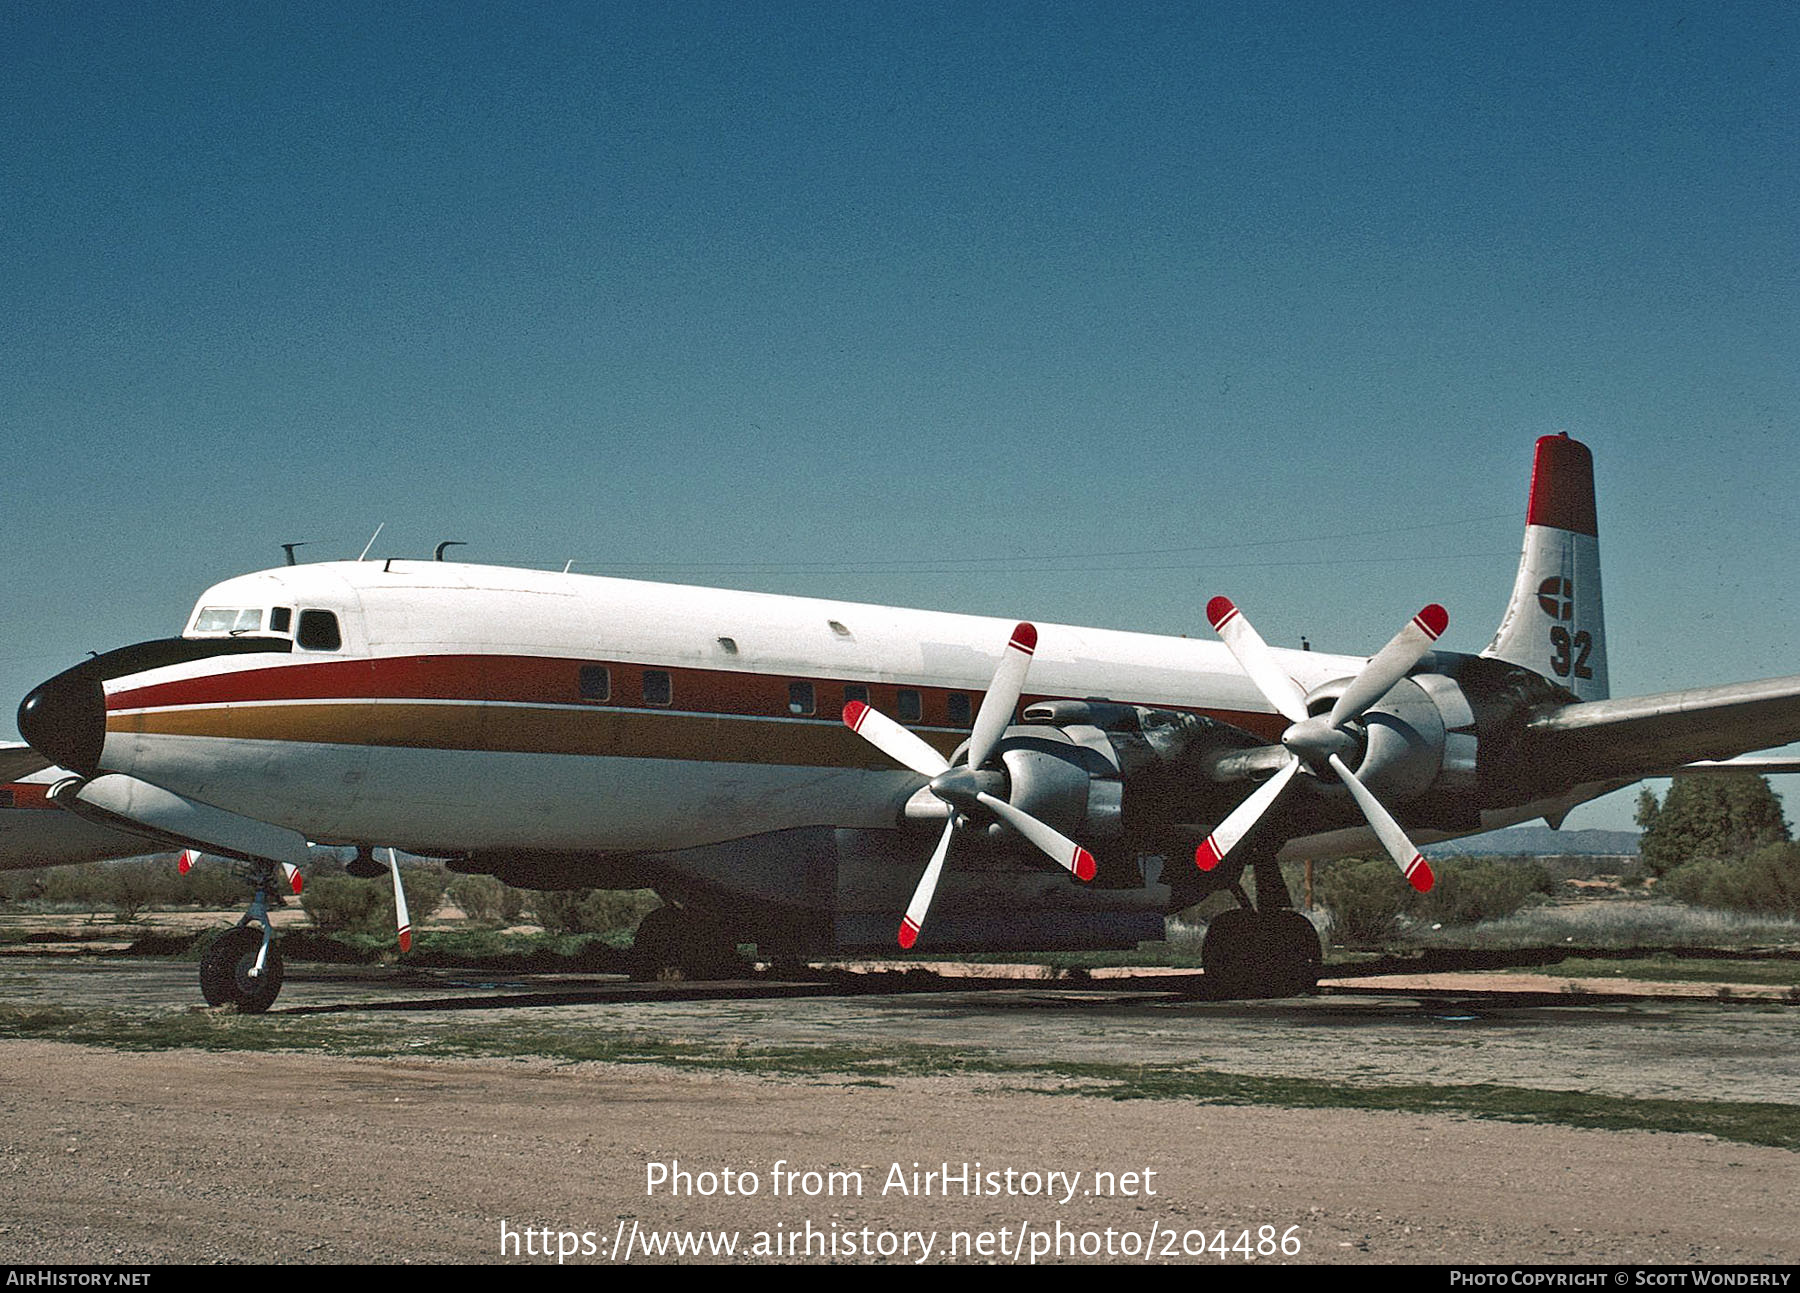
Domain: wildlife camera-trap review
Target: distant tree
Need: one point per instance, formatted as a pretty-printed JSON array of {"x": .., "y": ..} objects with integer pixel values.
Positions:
[{"x": 1708, "y": 816}]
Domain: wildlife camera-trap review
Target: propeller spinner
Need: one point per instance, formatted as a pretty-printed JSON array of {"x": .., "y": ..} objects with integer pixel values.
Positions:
[
  {"x": 967, "y": 787},
  {"x": 1319, "y": 741}
]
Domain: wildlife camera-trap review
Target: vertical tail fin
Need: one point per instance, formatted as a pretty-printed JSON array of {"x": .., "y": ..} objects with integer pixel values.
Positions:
[{"x": 1555, "y": 624}]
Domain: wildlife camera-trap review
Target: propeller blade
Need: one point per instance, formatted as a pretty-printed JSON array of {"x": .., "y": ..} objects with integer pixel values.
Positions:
[
  {"x": 1062, "y": 850},
  {"x": 1411, "y": 862},
  {"x": 401, "y": 917},
  {"x": 1255, "y": 658},
  {"x": 893, "y": 740},
  {"x": 1390, "y": 664},
  {"x": 914, "y": 920},
  {"x": 1002, "y": 694},
  {"x": 294, "y": 879},
  {"x": 1229, "y": 832}
]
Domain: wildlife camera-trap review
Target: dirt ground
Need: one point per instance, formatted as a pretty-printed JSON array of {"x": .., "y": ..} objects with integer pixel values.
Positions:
[
  {"x": 193, "y": 1157},
  {"x": 188, "y": 1156}
]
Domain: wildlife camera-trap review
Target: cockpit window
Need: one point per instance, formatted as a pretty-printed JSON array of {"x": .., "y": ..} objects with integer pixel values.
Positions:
[
  {"x": 280, "y": 619},
  {"x": 228, "y": 619},
  {"x": 319, "y": 631}
]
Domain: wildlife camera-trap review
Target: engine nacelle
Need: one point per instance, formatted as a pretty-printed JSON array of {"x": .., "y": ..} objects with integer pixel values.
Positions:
[
  {"x": 1418, "y": 737},
  {"x": 1069, "y": 777}
]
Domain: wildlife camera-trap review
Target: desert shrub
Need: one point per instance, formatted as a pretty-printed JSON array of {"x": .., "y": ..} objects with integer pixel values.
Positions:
[
  {"x": 486, "y": 901},
  {"x": 1765, "y": 882},
  {"x": 75, "y": 885},
  {"x": 340, "y": 904},
  {"x": 591, "y": 911},
  {"x": 1468, "y": 890},
  {"x": 1365, "y": 899}
]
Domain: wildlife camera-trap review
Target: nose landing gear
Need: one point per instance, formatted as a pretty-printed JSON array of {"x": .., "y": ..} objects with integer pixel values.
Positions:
[{"x": 243, "y": 966}]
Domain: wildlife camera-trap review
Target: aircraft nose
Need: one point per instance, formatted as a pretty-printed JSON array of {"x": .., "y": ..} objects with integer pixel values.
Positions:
[{"x": 65, "y": 719}]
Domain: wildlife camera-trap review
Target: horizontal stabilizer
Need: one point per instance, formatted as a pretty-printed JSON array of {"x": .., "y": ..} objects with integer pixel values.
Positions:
[{"x": 1647, "y": 736}]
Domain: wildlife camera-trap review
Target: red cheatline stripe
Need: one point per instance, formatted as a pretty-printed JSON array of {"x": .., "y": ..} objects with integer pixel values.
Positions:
[
  {"x": 1433, "y": 620},
  {"x": 909, "y": 933},
  {"x": 1024, "y": 638},
  {"x": 29, "y": 795},
  {"x": 1219, "y": 612},
  {"x": 1207, "y": 856}
]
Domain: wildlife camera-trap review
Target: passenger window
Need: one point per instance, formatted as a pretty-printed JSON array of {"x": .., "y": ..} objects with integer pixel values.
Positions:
[
  {"x": 855, "y": 691},
  {"x": 319, "y": 631},
  {"x": 596, "y": 682},
  {"x": 959, "y": 708},
  {"x": 280, "y": 619},
  {"x": 657, "y": 688},
  {"x": 800, "y": 698},
  {"x": 911, "y": 708}
]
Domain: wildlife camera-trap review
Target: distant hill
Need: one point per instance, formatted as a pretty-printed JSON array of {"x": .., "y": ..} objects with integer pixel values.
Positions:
[{"x": 1538, "y": 841}]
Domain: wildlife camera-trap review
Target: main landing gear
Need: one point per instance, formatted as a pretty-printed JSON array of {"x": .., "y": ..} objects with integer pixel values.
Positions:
[
  {"x": 1261, "y": 954},
  {"x": 674, "y": 943},
  {"x": 243, "y": 967},
  {"x": 1269, "y": 950}
]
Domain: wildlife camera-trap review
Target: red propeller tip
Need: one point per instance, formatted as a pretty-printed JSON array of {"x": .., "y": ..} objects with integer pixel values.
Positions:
[
  {"x": 1024, "y": 638},
  {"x": 1218, "y": 610},
  {"x": 854, "y": 712},
  {"x": 299, "y": 882},
  {"x": 1434, "y": 619},
  {"x": 406, "y": 939},
  {"x": 1419, "y": 875},
  {"x": 1084, "y": 865},
  {"x": 187, "y": 861},
  {"x": 1207, "y": 856},
  {"x": 909, "y": 934}
]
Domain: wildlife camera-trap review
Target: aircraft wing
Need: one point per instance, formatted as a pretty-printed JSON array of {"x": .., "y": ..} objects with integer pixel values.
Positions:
[
  {"x": 19, "y": 760},
  {"x": 1650, "y": 736}
]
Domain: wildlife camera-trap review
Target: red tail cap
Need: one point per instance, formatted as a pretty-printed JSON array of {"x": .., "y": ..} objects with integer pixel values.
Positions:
[{"x": 1562, "y": 486}]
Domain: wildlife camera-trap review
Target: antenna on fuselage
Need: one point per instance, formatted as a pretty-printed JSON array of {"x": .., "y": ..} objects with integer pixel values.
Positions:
[
  {"x": 288, "y": 548},
  {"x": 371, "y": 542},
  {"x": 437, "y": 553}
]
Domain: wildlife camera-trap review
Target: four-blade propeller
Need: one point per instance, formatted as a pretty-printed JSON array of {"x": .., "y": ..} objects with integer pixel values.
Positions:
[
  {"x": 1319, "y": 741},
  {"x": 966, "y": 787}
]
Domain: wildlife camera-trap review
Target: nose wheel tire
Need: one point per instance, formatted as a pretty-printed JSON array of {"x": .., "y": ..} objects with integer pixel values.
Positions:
[{"x": 225, "y": 972}]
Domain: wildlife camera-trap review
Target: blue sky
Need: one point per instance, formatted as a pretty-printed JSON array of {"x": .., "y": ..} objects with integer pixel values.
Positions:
[{"x": 1080, "y": 313}]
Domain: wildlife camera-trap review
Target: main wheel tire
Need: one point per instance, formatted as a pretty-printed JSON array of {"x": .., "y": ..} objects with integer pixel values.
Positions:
[
  {"x": 1301, "y": 957},
  {"x": 1225, "y": 955},
  {"x": 225, "y": 978},
  {"x": 1261, "y": 954}
]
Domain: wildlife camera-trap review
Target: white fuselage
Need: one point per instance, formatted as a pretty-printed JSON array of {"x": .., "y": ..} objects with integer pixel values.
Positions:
[{"x": 471, "y": 707}]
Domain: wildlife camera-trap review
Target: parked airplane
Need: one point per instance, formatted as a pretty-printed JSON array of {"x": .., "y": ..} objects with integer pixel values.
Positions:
[{"x": 561, "y": 730}]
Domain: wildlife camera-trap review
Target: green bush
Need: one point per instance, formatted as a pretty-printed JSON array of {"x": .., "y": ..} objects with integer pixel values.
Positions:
[
  {"x": 1468, "y": 890},
  {"x": 591, "y": 911},
  {"x": 1365, "y": 899},
  {"x": 486, "y": 901},
  {"x": 1766, "y": 882},
  {"x": 340, "y": 904}
]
